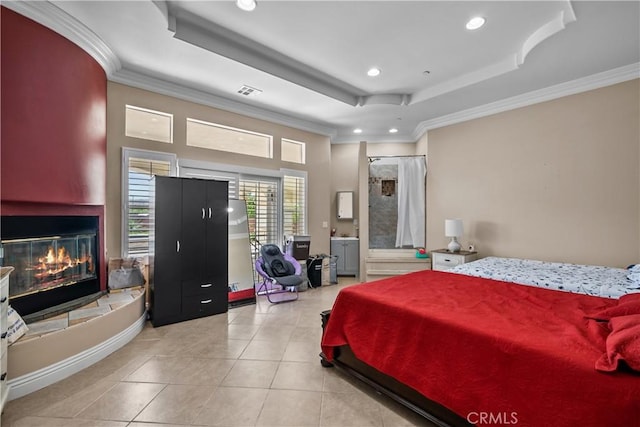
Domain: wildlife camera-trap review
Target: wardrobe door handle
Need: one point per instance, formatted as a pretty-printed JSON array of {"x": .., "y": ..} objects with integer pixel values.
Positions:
[
  {"x": 206, "y": 285},
  {"x": 4, "y": 335},
  {"x": 202, "y": 213},
  {"x": 3, "y": 300},
  {"x": 177, "y": 245},
  {"x": 207, "y": 301},
  {"x": 3, "y": 376}
]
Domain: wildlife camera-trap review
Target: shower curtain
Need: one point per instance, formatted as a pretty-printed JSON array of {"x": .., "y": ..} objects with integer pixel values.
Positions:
[{"x": 411, "y": 202}]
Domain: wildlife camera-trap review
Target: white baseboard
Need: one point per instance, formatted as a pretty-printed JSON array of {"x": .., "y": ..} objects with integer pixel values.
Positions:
[{"x": 51, "y": 374}]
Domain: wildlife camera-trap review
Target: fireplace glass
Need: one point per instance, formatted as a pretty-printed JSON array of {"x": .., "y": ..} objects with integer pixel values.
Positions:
[{"x": 45, "y": 263}]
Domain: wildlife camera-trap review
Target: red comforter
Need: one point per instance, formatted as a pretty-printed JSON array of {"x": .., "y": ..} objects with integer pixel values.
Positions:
[{"x": 493, "y": 352}]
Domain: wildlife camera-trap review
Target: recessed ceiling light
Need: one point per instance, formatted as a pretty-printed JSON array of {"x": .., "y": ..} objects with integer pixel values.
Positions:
[
  {"x": 475, "y": 23},
  {"x": 247, "y": 5},
  {"x": 393, "y": 130},
  {"x": 373, "y": 72},
  {"x": 357, "y": 130}
]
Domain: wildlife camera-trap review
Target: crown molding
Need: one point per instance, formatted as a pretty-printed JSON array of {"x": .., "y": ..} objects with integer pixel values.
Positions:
[
  {"x": 552, "y": 27},
  {"x": 501, "y": 67},
  {"x": 507, "y": 64},
  {"x": 595, "y": 81},
  {"x": 58, "y": 20},
  {"x": 163, "y": 87}
]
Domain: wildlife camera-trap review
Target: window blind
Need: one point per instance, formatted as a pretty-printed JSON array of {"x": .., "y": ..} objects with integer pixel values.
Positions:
[
  {"x": 139, "y": 222},
  {"x": 261, "y": 197},
  {"x": 294, "y": 205}
]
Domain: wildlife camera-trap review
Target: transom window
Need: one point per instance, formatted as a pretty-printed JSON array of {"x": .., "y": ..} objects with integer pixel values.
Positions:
[
  {"x": 224, "y": 138},
  {"x": 292, "y": 151},
  {"x": 148, "y": 124}
]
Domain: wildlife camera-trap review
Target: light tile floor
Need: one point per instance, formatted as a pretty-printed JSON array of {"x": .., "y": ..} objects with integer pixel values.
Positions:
[{"x": 256, "y": 365}]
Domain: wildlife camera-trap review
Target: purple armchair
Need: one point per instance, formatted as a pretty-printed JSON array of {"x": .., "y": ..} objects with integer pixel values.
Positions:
[{"x": 279, "y": 289}]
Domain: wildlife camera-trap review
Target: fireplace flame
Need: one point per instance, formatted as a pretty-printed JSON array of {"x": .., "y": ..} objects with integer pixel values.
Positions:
[
  {"x": 48, "y": 262},
  {"x": 56, "y": 262},
  {"x": 61, "y": 256},
  {"x": 49, "y": 259}
]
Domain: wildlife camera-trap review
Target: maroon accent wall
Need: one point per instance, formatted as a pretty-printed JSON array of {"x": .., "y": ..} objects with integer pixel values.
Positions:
[
  {"x": 53, "y": 125},
  {"x": 54, "y": 98}
]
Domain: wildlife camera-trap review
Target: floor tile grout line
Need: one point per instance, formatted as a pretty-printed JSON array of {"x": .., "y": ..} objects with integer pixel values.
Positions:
[
  {"x": 301, "y": 321},
  {"x": 148, "y": 403}
]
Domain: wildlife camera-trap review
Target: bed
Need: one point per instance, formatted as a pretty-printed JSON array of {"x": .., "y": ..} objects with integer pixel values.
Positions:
[
  {"x": 583, "y": 279},
  {"x": 464, "y": 350}
]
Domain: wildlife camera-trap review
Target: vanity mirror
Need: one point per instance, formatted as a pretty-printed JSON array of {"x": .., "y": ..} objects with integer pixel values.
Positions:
[{"x": 344, "y": 203}]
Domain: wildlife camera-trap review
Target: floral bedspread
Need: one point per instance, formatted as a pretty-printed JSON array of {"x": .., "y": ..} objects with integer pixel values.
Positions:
[{"x": 583, "y": 279}]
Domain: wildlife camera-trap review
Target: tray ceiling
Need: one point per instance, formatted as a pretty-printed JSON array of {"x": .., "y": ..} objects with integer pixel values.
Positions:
[{"x": 309, "y": 59}]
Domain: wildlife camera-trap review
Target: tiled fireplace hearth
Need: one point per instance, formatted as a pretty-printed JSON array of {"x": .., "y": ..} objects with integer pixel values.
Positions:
[{"x": 56, "y": 261}]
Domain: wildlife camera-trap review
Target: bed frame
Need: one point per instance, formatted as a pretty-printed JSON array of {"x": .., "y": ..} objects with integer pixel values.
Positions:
[{"x": 347, "y": 362}]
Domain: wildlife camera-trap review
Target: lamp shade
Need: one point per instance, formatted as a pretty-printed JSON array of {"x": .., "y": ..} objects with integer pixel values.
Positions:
[{"x": 453, "y": 227}]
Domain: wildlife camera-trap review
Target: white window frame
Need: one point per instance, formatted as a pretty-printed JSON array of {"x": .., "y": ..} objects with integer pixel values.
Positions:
[{"x": 128, "y": 153}]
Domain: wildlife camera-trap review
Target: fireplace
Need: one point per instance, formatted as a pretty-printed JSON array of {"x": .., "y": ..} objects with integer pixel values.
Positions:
[{"x": 55, "y": 260}]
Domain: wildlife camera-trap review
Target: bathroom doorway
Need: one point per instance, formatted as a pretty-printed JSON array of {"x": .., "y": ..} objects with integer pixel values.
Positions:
[{"x": 396, "y": 202}]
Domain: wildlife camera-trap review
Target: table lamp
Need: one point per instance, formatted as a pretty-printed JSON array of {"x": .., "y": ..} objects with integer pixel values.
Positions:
[{"x": 453, "y": 228}]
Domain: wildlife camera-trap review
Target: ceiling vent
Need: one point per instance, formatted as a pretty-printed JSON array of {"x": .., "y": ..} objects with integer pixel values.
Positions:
[{"x": 249, "y": 91}]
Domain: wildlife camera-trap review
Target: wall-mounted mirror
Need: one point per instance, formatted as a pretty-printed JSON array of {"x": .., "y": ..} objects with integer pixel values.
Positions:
[
  {"x": 344, "y": 203},
  {"x": 241, "y": 290}
]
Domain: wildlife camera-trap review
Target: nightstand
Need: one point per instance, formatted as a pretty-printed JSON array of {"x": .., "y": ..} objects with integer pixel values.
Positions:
[{"x": 442, "y": 259}]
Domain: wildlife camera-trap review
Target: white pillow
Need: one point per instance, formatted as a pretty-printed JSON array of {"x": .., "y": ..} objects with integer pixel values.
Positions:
[{"x": 634, "y": 274}]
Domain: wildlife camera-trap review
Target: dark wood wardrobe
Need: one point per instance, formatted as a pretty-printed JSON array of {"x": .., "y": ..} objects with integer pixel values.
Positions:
[{"x": 189, "y": 249}]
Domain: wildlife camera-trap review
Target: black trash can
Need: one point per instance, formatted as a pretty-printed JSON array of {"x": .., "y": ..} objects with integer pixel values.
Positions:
[{"x": 314, "y": 271}]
